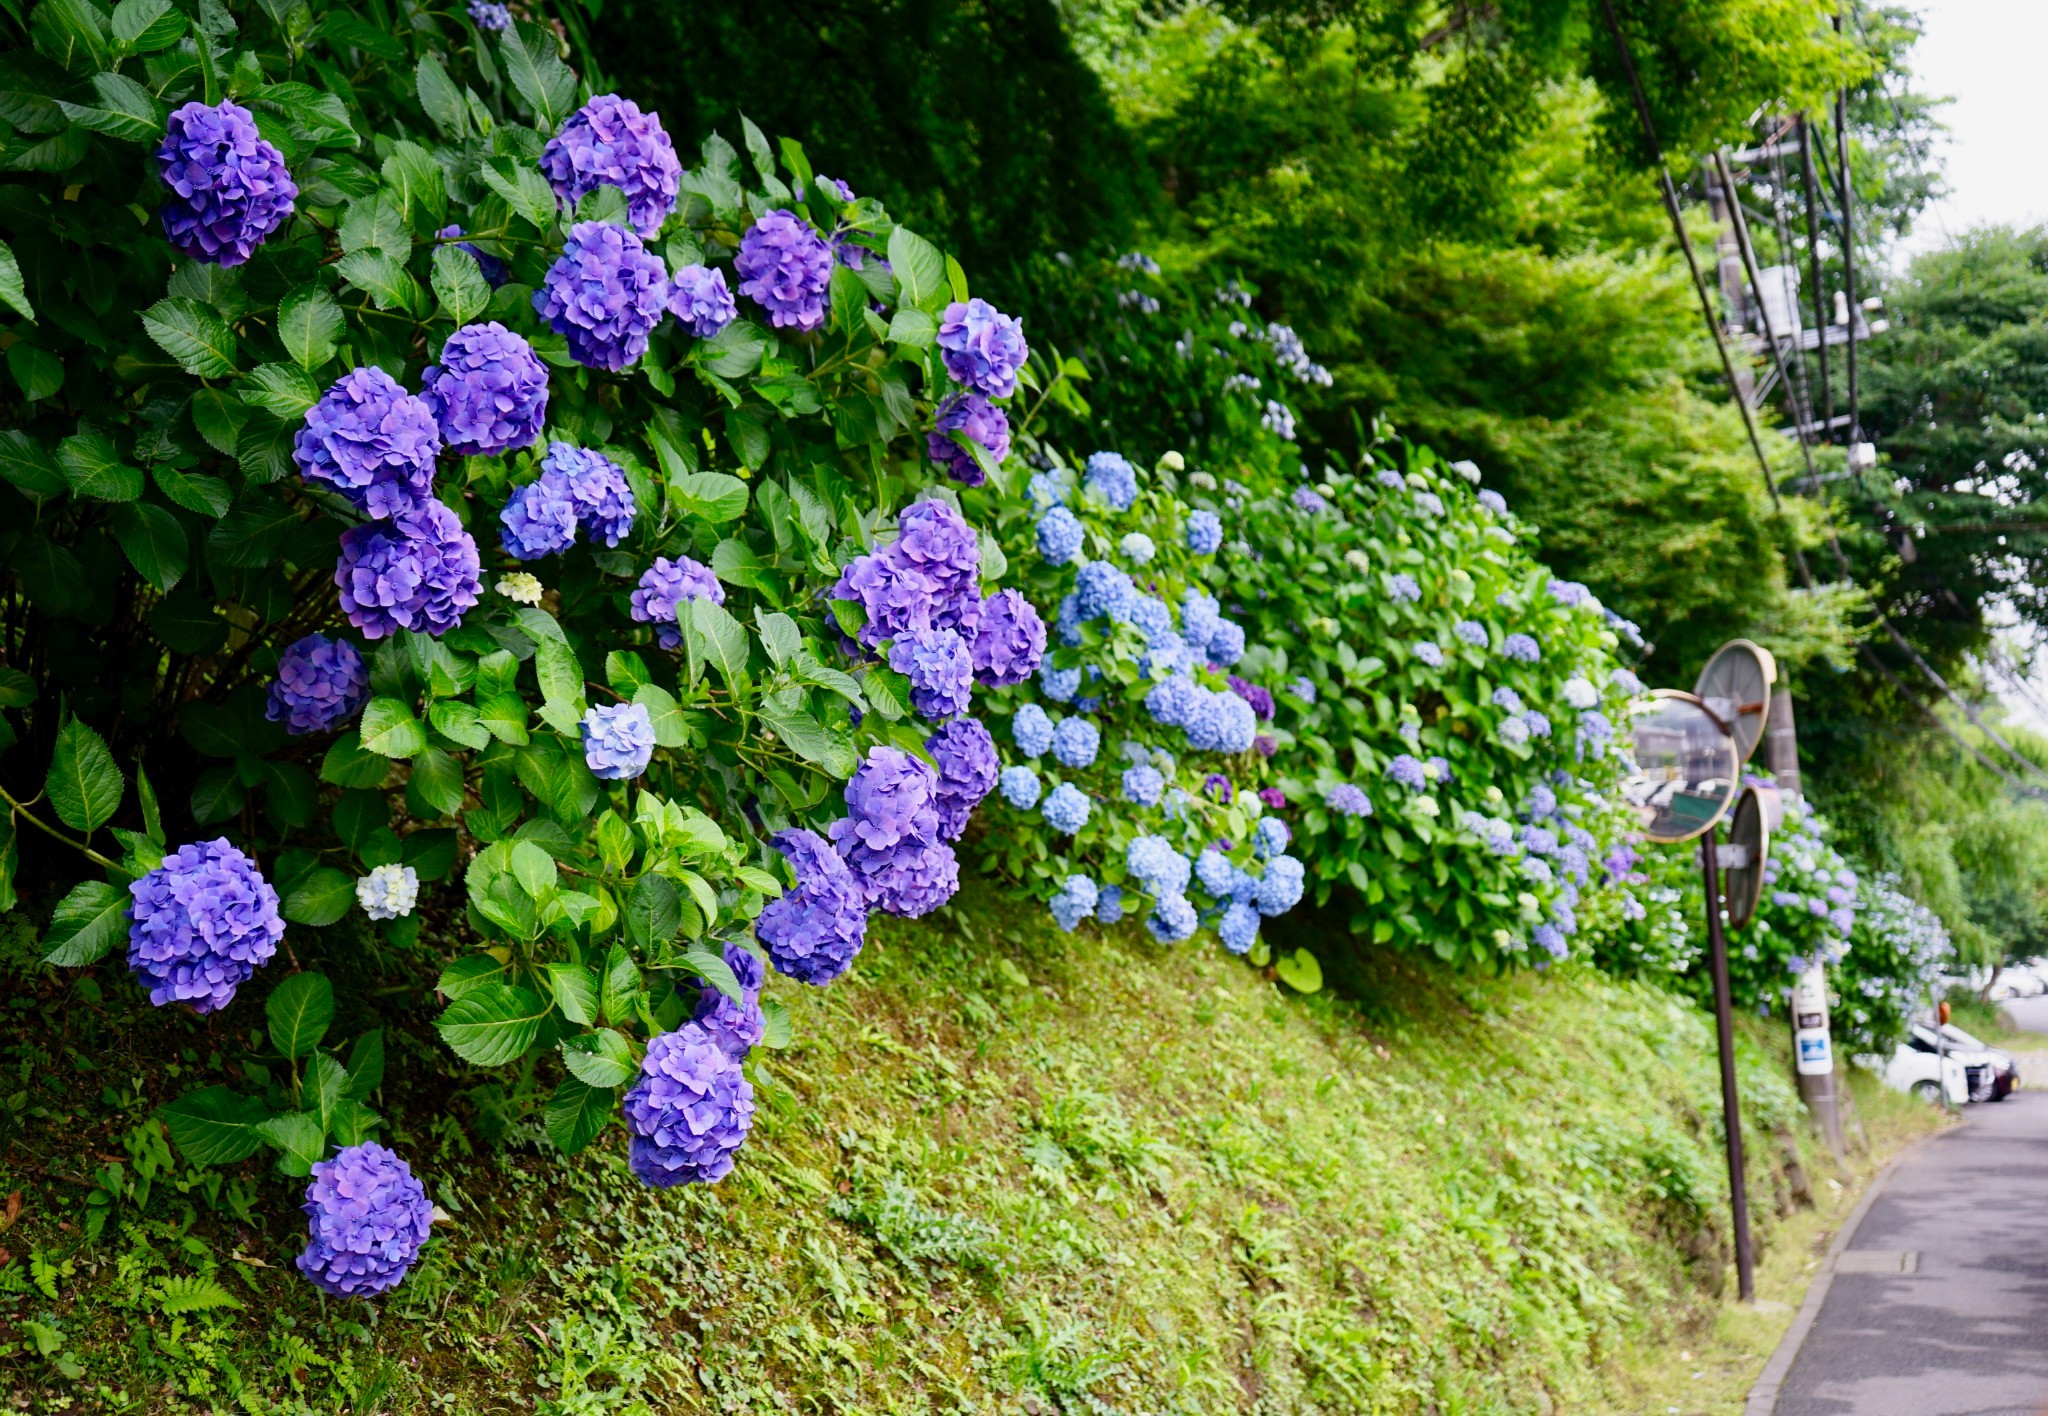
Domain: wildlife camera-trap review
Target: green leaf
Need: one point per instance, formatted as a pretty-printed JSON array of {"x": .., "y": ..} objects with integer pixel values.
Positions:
[
  {"x": 734, "y": 352},
  {"x": 94, "y": 468},
  {"x": 956, "y": 280},
  {"x": 912, "y": 326},
  {"x": 575, "y": 990},
  {"x": 714, "y": 496},
  {"x": 804, "y": 735},
  {"x": 214, "y": 1126},
  {"x": 887, "y": 691},
  {"x": 561, "y": 676},
  {"x": 390, "y": 730},
  {"x": 531, "y": 58},
  {"x": 309, "y": 325},
  {"x": 651, "y": 911},
  {"x": 441, "y": 99},
  {"x": 621, "y": 987},
  {"x": 920, "y": 270},
  {"x": 365, "y": 1066},
  {"x": 300, "y": 1136},
  {"x": 435, "y": 786},
  {"x": 459, "y": 721},
  {"x": 467, "y": 975},
  {"x": 492, "y": 1024},
  {"x": 325, "y": 1079},
  {"x": 710, "y": 965},
  {"x": 1300, "y": 971},
  {"x": 145, "y": 26},
  {"x": 780, "y": 636},
  {"x": 220, "y": 418},
  {"x": 577, "y": 1113},
  {"x": 192, "y": 334},
  {"x": 387, "y": 283},
  {"x": 297, "y": 1013},
  {"x": 775, "y": 1029},
  {"x": 625, "y": 671},
  {"x": 523, "y": 188},
  {"x": 671, "y": 729},
  {"x": 13, "y": 289},
  {"x": 322, "y": 897},
  {"x": 504, "y": 716},
  {"x": 349, "y": 764},
  {"x": 459, "y": 284},
  {"x": 284, "y": 389},
  {"x": 17, "y": 689},
  {"x": 154, "y": 542},
  {"x": 192, "y": 1293},
  {"x": 599, "y": 1058},
  {"x": 534, "y": 869},
  {"x": 195, "y": 491},
  {"x": 714, "y": 637},
  {"x": 375, "y": 225},
  {"x": 126, "y": 110},
  {"x": 88, "y": 924},
  {"x": 808, "y": 670},
  {"x": 85, "y": 786},
  {"x": 24, "y": 463},
  {"x": 37, "y": 372},
  {"x": 411, "y": 172}
]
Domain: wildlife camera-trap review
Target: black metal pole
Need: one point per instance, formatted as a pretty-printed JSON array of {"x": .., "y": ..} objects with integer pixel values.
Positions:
[
  {"x": 1848, "y": 195},
  {"x": 1821, "y": 320},
  {"x": 1724, "y": 1027}
]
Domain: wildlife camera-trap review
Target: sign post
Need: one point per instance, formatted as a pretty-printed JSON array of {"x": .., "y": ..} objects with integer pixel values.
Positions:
[{"x": 1731, "y": 1103}]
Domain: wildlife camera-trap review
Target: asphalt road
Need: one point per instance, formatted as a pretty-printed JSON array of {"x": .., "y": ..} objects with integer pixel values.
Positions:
[{"x": 1965, "y": 1332}]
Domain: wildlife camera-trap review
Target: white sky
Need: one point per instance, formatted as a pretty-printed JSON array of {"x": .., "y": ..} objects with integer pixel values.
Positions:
[{"x": 1989, "y": 56}]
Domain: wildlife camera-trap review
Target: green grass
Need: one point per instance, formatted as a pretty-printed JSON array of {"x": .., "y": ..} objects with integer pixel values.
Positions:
[
  {"x": 1988, "y": 1022},
  {"x": 1000, "y": 1170}
]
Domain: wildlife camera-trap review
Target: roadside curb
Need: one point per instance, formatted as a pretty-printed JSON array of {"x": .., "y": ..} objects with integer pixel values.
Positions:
[{"x": 1763, "y": 1396}]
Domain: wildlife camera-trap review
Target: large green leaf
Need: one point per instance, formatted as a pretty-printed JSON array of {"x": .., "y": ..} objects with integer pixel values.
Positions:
[
  {"x": 920, "y": 269},
  {"x": 349, "y": 764},
  {"x": 284, "y": 389},
  {"x": 651, "y": 911},
  {"x": 125, "y": 110},
  {"x": 531, "y": 58},
  {"x": 88, "y": 924},
  {"x": 714, "y": 637},
  {"x": 441, "y": 99},
  {"x": 154, "y": 542},
  {"x": 671, "y": 729},
  {"x": 390, "y": 730},
  {"x": 383, "y": 279},
  {"x": 789, "y": 715},
  {"x": 24, "y": 463},
  {"x": 524, "y": 190},
  {"x": 145, "y": 26},
  {"x": 93, "y": 467},
  {"x": 321, "y": 898},
  {"x": 215, "y": 1126},
  {"x": 492, "y": 1024},
  {"x": 192, "y": 334},
  {"x": 459, "y": 284},
  {"x": 599, "y": 1057},
  {"x": 577, "y": 1112},
  {"x": 297, "y": 1012},
  {"x": 575, "y": 989},
  {"x": 300, "y": 1136},
  {"x": 715, "y": 496},
  {"x": 13, "y": 290},
  {"x": 309, "y": 325},
  {"x": 85, "y": 786}
]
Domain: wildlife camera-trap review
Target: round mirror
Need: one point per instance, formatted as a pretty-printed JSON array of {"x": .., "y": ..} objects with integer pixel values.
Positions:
[
  {"x": 1685, "y": 767},
  {"x": 1743, "y": 857},
  {"x": 1735, "y": 686}
]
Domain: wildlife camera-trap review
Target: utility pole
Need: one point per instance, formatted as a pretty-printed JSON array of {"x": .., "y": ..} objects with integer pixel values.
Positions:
[
  {"x": 1848, "y": 248},
  {"x": 1811, "y": 182},
  {"x": 1813, "y": 1050}
]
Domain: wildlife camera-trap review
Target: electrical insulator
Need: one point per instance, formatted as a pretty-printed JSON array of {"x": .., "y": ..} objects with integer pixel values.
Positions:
[{"x": 1862, "y": 456}]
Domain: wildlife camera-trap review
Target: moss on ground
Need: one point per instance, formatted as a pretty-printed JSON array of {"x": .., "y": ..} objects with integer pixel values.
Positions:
[{"x": 1000, "y": 1169}]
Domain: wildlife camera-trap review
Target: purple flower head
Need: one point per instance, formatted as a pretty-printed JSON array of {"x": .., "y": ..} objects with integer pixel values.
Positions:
[
  {"x": 490, "y": 16},
  {"x": 1217, "y": 787},
  {"x": 371, "y": 441},
  {"x": 1265, "y": 744},
  {"x": 367, "y": 1219},
  {"x": 1550, "y": 939},
  {"x": 813, "y": 932},
  {"x": 1111, "y": 477},
  {"x": 1521, "y": 648},
  {"x": 1075, "y": 742},
  {"x": 1569, "y": 593},
  {"x": 1494, "y": 502},
  {"x": 841, "y": 190},
  {"x": 1059, "y": 536},
  {"x": 1402, "y": 589},
  {"x": 982, "y": 348},
  {"x": 320, "y": 683},
  {"x": 1407, "y": 771},
  {"x": 931, "y": 538},
  {"x": 418, "y": 571},
  {"x": 981, "y": 421},
  {"x": 941, "y": 671},
  {"x": 1273, "y": 797},
  {"x": 966, "y": 756},
  {"x": 1537, "y": 723},
  {"x": 618, "y": 740},
  {"x": 596, "y": 486},
  {"x": 786, "y": 268},
  {"x": 1308, "y": 499},
  {"x": 664, "y": 586},
  {"x": 689, "y": 1112},
  {"x": 609, "y": 142},
  {"x": 1205, "y": 533},
  {"x": 1471, "y": 632},
  {"x": 701, "y": 302},
  {"x": 200, "y": 924},
  {"x": 604, "y": 294},
  {"x": 737, "y": 1025},
  {"x": 494, "y": 272},
  {"x": 1010, "y": 642},
  {"x": 891, "y": 827},
  {"x": 489, "y": 393},
  {"x": 1348, "y": 800},
  {"x": 1260, "y": 698},
  {"x": 539, "y": 519},
  {"x": 1065, "y": 809},
  {"x": 229, "y": 187}
]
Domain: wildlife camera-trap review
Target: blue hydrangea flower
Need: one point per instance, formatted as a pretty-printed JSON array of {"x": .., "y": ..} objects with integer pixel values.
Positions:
[
  {"x": 1020, "y": 787},
  {"x": 1174, "y": 702},
  {"x": 1172, "y": 919},
  {"x": 1429, "y": 654},
  {"x": 1201, "y": 618},
  {"x": 604, "y": 295},
  {"x": 786, "y": 268},
  {"x": 1506, "y": 698},
  {"x": 1512, "y": 732},
  {"x": 1279, "y": 889},
  {"x": 597, "y": 487},
  {"x": 1429, "y": 504},
  {"x": 1154, "y": 863},
  {"x": 1406, "y": 771},
  {"x": 1060, "y": 685},
  {"x": 489, "y": 393},
  {"x": 200, "y": 924},
  {"x": 1066, "y": 809},
  {"x": 1402, "y": 589},
  {"x": 368, "y": 1217},
  {"x": 494, "y": 272},
  {"x": 490, "y": 16},
  {"x": 1075, "y": 902},
  {"x": 1075, "y": 742},
  {"x": 1152, "y": 615},
  {"x": 1550, "y": 939},
  {"x": 1308, "y": 499},
  {"x": 1494, "y": 502},
  {"x": 983, "y": 348},
  {"x": 1278, "y": 419},
  {"x": 813, "y": 932},
  {"x": 1109, "y": 904},
  {"x": 1205, "y": 533},
  {"x": 1521, "y": 648},
  {"x": 1569, "y": 593},
  {"x": 1348, "y": 800},
  {"x": 700, "y": 301},
  {"x": 1143, "y": 785},
  {"x": 1214, "y": 872},
  {"x": 664, "y": 586},
  {"x": 320, "y": 684},
  {"x": 1537, "y": 723},
  {"x": 1112, "y": 479},
  {"x": 609, "y": 142},
  {"x": 940, "y": 668},
  {"x": 418, "y": 571},
  {"x": 1138, "y": 549},
  {"x": 973, "y": 416},
  {"x": 1070, "y": 621},
  {"x": 539, "y": 520},
  {"x": 389, "y": 891},
  {"x": 371, "y": 441},
  {"x": 966, "y": 759},
  {"x": 1031, "y": 729},
  {"x": 1270, "y": 837},
  {"x": 1102, "y": 591},
  {"x": 618, "y": 740},
  {"x": 1226, "y": 647},
  {"x": 1048, "y": 489},
  {"x": 1625, "y": 681},
  {"x": 690, "y": 1110},
  {"x": 230, "y": 189},
  {"x": 1239, "y": 928},
  {"x": 1304, "y": 690}
]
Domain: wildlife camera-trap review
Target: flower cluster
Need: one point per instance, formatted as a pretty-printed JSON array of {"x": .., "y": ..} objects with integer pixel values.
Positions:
[
  {"x": 200, "y": 925},
  {"x": 229, "y": 187},
  {"x": 367, "y": 1218},
  {"x": 418, "y": 571},
  {"x": 320, "y": 684},
  {"x": 604, "y": 294},
  {"x": 372, "y": 442},
  {"x": 786, "y": 268},
  {"x": 666, "y": 585},
  {"x": 388, "y": 891},
  {"x": 813, "y": 932},
  {"x": 690, "y": 1110},
  {"x": 577, "y": 490},
  {"x": 489, "y": 393},
  {"x": 610, "y": 142}
]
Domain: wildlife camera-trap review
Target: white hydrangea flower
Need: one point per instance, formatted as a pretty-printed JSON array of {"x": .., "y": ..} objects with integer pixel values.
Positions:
[
  {"x": 1580, "y": 694},
  {"x": 389, "y": 891},
  {"x": 521, "y": 586},
  {"x": 1137, "y": 547}
]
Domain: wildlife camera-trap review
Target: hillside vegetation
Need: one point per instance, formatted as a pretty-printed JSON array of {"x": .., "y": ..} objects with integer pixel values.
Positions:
[{"x": 1104, "y": 1176}]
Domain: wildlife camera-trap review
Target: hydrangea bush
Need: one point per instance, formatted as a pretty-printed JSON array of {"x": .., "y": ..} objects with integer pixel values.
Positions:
[{"x": 433, "y": 497}]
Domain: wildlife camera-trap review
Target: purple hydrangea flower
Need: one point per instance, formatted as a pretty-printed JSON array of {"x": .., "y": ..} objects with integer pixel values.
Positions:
[
  {"x": 539, "y": 519},
  {"x": 604, "y": 294},
  {"x": 940, "y": 668},
  {"x": 689, "y": 1112},
  {"x": 489, "y": 393},
  {"x": 966, "y": 756},
  {"x": 494, "y": 272},
  {"x": 1569, "y": 593},
  {"x": 1010, "y": 642},
  {"x": 1111, "y": 477},
  {"x": 367, "y": 1218},
  {"x": 1407, "y": 771},
  {"x": 700, "y": 300},
  {"x": 371, "y": 441},
  {"x": 890, "y": 834},
  {"x": 320, "y": 683},
  {"x": 609, "y": 142},
  {"x": 490, "y": 16},
  {"x": 1075, "y": 742},
  {"x": 973, "y": 415},
  {"x": 618, "y": 740},
  {"x": 1402, "y": 589},
  {"x": 200, "y": 924},
  {"x": 664, "y": 586},
  {"x": 1521, "y": 648},
  {"x": 1429, "y": 654},
  {"x": 1308, "y": 499},
  {"x": 1550, "y": 939},
  {"x": 982, "y": 348},
  {"x": 931, "y": 537},
  {"x": 418, "y": 571},
  {"x": 1259, "y": 697},
  {"x": 1205, "y": 533},
  {"x": 813, "y": 932},
  {"x": 1494, "y": 502},
  {"x": 1537, "y": 723},
  {"x": 1507, "y": 698},
  {"x": 1471, "y": 632},
  {"x": 735, "y": 1024},
  {"x": 1059, "y": 536},
  {"x": 1273, "y": 797},
  {"x": 596, "y": 486},
  {"x": 1348, "y": 800},
  {"x": 229, "y": 187},
  {"x": 786, "y": 268}
]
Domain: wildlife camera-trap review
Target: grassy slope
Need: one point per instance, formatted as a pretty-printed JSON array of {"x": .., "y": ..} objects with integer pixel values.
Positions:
[{"x": 1107, "y": 1175}]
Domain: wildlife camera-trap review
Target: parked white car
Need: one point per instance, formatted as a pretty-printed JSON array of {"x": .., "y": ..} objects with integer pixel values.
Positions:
[
  {"x": 2016, "y": 983},
  {"x": 1916, "y": 1066}
]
